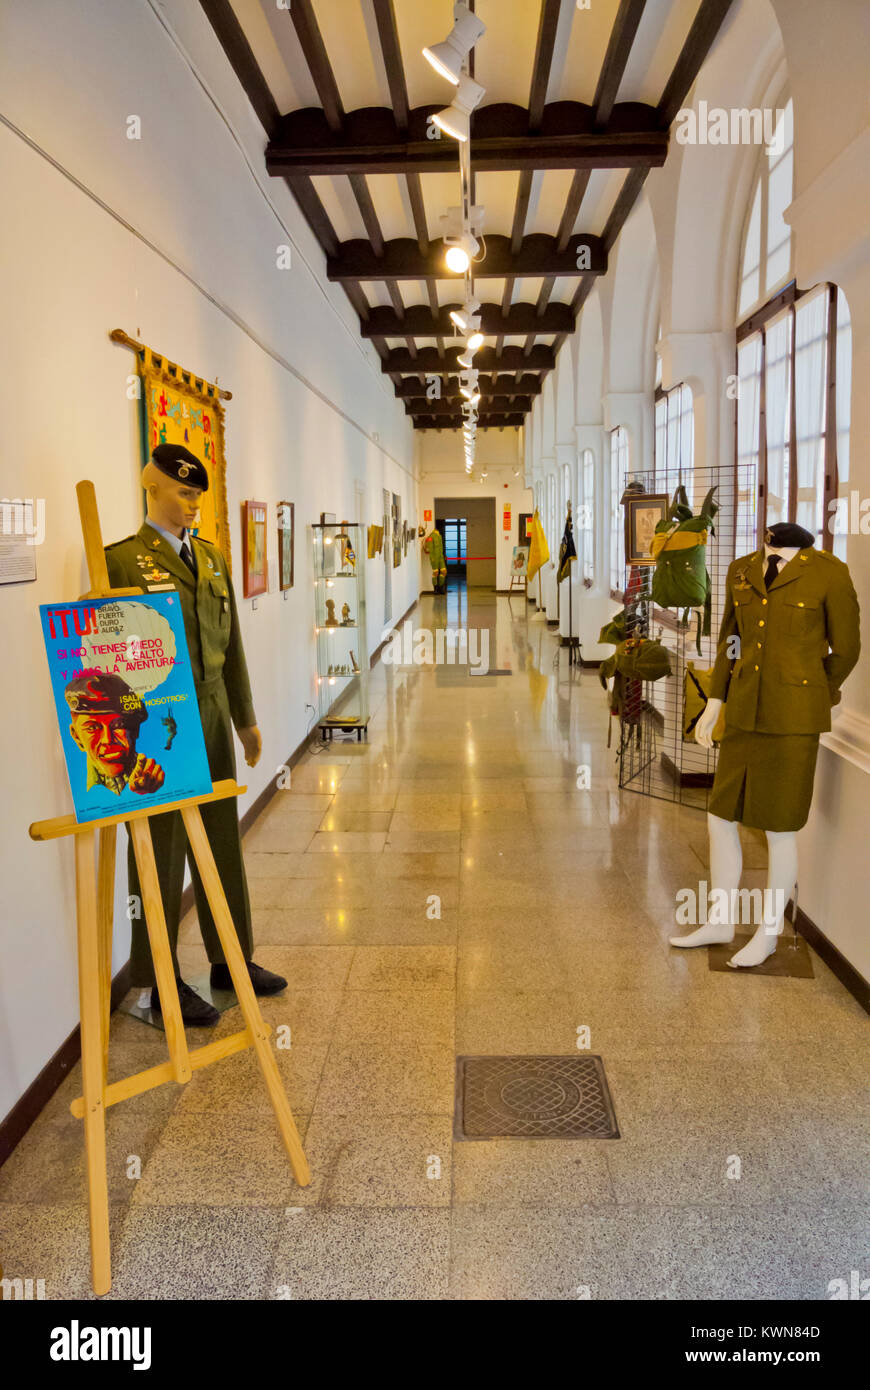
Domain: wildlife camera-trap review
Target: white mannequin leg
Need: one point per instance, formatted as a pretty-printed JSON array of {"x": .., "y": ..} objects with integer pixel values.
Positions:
[
  {"x": 782, "y": 866},
  {"x": 726, "y": 866}
]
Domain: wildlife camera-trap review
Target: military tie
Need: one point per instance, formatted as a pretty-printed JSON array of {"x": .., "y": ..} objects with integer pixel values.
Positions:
[
  {"x": 187, "y": 556},
  {"x": 770, "y": 573}
]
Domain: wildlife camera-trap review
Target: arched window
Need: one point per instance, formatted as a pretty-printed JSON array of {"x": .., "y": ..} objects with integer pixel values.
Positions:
[
  {"x": 618, "y": 478},
  {"x": 585, "y": 528},
  {"x": 794, "y": 365},
  {"x": 766, "y": 263},
  {"x": 675, "y": 439}
]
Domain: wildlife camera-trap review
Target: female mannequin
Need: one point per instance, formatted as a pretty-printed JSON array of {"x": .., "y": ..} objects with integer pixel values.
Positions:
[{"x": 789, "y": 637}]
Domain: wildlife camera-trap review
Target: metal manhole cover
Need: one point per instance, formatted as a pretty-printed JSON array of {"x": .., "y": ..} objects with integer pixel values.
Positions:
[{"x": 533, "y": 1098}]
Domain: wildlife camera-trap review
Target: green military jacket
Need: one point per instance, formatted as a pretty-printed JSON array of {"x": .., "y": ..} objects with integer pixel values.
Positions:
[
  {"x": 798, "y": 641},
  {"x": 208, "y": 604}
]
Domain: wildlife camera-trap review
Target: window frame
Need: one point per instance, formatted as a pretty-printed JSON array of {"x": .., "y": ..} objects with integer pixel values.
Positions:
[{"x": 759, "y": 322}]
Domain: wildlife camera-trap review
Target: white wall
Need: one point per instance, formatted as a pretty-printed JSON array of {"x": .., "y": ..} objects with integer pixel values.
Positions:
[{"x": 173, "y": 238}]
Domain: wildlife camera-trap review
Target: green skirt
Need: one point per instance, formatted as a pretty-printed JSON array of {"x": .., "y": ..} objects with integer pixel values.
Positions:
[{"x": 765, "y": 780}]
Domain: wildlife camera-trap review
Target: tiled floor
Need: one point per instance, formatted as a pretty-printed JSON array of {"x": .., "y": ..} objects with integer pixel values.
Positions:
[{"x": 447, "y": 889}]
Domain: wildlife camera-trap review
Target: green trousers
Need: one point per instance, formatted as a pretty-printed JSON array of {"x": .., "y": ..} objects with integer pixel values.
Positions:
[{"x": 171, "y": 848}]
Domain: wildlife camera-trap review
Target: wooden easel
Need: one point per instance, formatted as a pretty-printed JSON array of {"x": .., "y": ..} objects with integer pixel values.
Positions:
[{"x": 95, "y": 884}]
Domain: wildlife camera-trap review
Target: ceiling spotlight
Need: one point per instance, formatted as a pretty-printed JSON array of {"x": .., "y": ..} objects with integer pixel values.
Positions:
[
  {"x": 474, "y": 342},
  {"x": 455, "y": 119},
  {"x": 467, "y": 318},
  {"x": 466, "y": 360},
  {"x": 462, "y": 253},
  {"x": 447, "y": 57}
]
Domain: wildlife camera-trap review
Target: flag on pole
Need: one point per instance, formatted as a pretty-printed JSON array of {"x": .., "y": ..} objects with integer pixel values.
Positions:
[
  {"x": 567, "y": 550},
  {"x": 538, "y": 551}
]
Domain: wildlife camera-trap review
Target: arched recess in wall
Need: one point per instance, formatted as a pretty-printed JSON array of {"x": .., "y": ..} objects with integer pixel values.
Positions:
[
  {"x": 548, "y": 446},
  {"x": 631, "y": 331},
  {"x": 590, "y": 363}
]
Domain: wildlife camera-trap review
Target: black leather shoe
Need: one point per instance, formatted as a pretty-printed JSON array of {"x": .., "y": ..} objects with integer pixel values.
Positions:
[
  {"x": 264, "y": 981},
  {"x": 194, "y": 1010}
]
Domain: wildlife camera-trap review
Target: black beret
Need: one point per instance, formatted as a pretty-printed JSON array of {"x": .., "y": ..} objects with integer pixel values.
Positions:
[
  {"x": 102, "y": 692},
  {"x": 786, "y": 534},
  {"x": 179, "y": 463}
]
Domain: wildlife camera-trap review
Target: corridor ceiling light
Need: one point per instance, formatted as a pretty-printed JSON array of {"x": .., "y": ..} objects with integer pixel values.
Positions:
[
  {"x": 466, "y": 360},
  {"x": 474, "y": 342},
  {"x": 467, "y": 318},
  {"x": 455, "y": 119},
  {"x": 447, "y": 57},
  {"x": 461, "y": 253}
]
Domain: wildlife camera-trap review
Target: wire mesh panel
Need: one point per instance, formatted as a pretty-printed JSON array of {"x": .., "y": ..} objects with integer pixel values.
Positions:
[{"x": 656, "y": 757}]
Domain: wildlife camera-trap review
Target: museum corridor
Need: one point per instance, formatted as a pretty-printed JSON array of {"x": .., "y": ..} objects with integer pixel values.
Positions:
[{"x": 448, "y": 890}]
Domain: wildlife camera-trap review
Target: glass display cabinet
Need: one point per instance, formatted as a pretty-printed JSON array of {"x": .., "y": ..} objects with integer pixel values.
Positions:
[{"x": 340, "y": 628}]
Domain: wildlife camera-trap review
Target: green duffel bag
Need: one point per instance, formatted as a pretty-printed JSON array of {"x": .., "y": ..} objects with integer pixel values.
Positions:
[{"x": 679, "y": 546}]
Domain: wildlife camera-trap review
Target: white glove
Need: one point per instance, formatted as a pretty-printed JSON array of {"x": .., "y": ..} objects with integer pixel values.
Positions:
[{"x": 707, "y": 723}]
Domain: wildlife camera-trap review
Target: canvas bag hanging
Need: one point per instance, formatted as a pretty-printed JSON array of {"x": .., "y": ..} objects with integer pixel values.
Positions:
[
  {"x": 696, "y": 693},
  {"x": 679, "y": 546}
]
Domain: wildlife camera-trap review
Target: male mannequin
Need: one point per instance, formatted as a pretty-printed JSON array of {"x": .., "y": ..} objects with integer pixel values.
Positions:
[
  {"x": 433, "y": 546},
  {"x": 788, "y": 640},
  {"x": 163, "y": 554}
]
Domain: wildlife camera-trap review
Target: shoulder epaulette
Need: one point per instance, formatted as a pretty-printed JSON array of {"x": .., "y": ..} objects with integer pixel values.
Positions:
[{"x": 114, "y": 544}]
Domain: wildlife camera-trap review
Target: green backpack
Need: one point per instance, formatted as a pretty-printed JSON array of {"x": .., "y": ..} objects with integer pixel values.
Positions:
[{"x": 681, "y": 579}]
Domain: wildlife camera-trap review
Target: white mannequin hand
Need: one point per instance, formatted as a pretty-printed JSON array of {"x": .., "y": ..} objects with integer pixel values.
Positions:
[{"x": 707, "y": 723}]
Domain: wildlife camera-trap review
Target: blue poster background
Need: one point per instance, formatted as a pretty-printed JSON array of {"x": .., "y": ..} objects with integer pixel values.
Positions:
[{"x": 123, "y": 689}]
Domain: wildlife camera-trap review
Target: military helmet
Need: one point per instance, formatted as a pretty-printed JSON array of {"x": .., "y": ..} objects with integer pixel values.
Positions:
[{"x": 102, "y": 692}]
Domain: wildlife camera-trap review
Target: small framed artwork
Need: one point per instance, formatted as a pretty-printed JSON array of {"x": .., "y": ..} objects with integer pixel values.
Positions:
[
  {"x": 286, "y": 542},
  {"x": 254, "y": 547},
  {"x": 642, "y": 514},
  {"x": 520, "y": 563}
]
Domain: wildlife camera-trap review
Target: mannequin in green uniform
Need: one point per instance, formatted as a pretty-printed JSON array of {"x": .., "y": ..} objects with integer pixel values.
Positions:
[
  {"x": 163, "y": 555},
  {"x": 434, "y": 548}
]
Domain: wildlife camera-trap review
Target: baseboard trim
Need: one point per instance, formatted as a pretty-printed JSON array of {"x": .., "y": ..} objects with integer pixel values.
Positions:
[
  {"x": 40, "y": 1091},
  {"x": 849, "y": 977}
]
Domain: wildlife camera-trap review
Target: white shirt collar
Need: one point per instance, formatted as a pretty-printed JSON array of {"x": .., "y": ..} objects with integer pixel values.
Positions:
[{"x": 175, "y": 541}]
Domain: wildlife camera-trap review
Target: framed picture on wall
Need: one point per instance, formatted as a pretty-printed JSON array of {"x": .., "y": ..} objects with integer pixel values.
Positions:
[
  {"x": 524, "y": 528},
  {"x": 642, "y": 515},
  {"x": 397, "y": 530},
  {"x": 286, "y": 542},
  {"x": 254, "y": 547}
]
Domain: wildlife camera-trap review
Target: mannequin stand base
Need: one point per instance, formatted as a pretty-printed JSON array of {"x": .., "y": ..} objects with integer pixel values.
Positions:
[
  {"x": 790, "y": 960},
  {"x": 220, "y": 999}
]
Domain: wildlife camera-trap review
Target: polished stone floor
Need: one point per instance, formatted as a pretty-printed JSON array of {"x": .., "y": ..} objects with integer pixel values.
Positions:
[{"x": 448, "y": 889}]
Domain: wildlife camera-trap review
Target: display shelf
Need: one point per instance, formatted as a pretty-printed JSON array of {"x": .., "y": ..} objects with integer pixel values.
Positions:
[{"x": 340, "y": 628}]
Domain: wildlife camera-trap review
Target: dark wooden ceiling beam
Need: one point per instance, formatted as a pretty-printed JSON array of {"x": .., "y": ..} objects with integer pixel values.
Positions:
[
  {"x": 371, "y": 141},
  {"x": 403, "y": 260},
  {"x": 541, "y": 359},
  {"x": 419, "y": 322},
  {"x": 622, "y": 34},
  {"x": 489, "y": 405},
  {"x": 705, "y": 27},
  {"x": 485, "y": 422},
  {"x": 499, "y": 384}
]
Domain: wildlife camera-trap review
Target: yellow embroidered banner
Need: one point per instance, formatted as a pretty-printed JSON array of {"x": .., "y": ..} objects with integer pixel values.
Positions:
[{"x": 181, "y": 408}]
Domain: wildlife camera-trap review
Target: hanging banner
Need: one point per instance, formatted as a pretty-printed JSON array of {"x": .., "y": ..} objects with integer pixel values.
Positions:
[{"x": 506, "y": 520}]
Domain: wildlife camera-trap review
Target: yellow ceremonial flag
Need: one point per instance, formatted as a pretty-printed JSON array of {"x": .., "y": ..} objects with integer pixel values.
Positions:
[{"x": 538, "y": 552}]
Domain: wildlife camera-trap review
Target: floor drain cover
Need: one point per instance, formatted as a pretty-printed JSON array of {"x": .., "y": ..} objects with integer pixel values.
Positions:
[{"x": 533, "y": 1098}]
